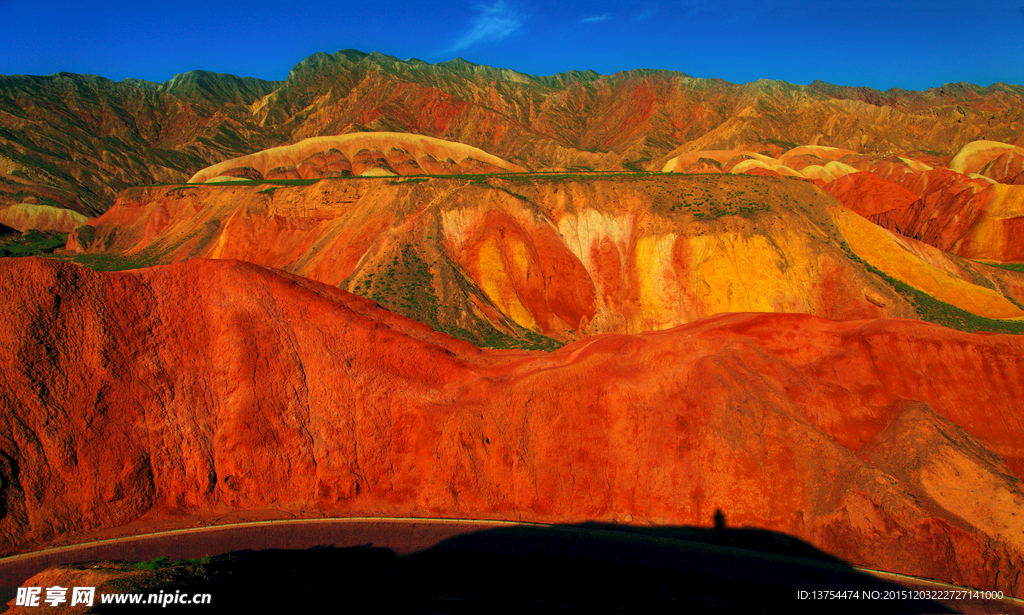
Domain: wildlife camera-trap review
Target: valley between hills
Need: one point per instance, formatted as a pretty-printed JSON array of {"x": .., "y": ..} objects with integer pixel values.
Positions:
[{"x": 386, "y": 288}]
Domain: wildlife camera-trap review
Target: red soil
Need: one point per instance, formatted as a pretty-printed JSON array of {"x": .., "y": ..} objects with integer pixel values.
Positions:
[
  {"x": 218, "y": 385},
  {"x": 868, "y": 194}
]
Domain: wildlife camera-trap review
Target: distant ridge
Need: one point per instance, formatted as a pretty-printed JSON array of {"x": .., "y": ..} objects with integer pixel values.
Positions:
[{"x": 77, "y": 140}]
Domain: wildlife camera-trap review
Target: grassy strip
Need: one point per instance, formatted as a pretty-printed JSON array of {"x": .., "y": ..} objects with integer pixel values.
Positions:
[
  {"x": 1019, "y": 267},
  {"x": 409, "y": 180},
  {"x": 939, "y": 312},
  {"x": 260, "y": 182},
  {"x": 109, "y": 262},
  {"x": 33, "y": 243},
  {"x": 474, "y": 177}
]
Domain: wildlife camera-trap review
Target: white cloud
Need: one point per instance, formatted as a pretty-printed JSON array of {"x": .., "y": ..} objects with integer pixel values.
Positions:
[
  {"x": 493, "y": 23},
  {"x": 595, "y": 18}
]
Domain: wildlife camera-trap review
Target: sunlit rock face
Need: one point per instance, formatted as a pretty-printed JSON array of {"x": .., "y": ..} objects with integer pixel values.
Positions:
[
  {"x": 562, "y": 257},
  {"x": 970, "y": 204},
  {"x": 567, "y": 256}
]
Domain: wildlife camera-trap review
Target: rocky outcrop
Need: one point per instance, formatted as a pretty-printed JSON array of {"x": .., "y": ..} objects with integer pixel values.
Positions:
[
  {"x": 973, "y": 217},
  {"x": 971, "y": 208},
  {"x": 210, "y": 386},
  {"x": 990, "y": 158}
]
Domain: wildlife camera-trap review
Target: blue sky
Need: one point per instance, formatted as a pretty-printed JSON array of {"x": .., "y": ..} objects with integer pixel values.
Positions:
[{"x": 913, "y": 44}]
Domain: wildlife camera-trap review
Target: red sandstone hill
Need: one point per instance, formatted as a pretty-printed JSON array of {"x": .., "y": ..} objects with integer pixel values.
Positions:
[{"x": 212, "y": 386}]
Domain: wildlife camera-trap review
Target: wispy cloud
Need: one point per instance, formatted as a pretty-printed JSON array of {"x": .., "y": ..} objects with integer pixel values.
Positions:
[
  {"x": 596, "y": 18},
  {"x": 645, "y": 14},
  {"x": 492, "y": 23}
]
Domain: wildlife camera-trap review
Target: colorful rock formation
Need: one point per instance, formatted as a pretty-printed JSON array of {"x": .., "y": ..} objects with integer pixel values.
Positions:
[
  {"x": 561, "y": 257},
  {"x": 736, "y": 330}
]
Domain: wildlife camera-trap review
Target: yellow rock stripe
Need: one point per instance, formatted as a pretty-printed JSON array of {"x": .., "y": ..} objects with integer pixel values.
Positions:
[
  {"x": 883, "y": 250},
  {"x": 738, "y": 273},
  {"x": 496, "y": 283}
]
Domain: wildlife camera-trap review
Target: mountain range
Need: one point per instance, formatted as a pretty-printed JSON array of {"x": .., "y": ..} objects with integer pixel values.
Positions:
[{"x": 77, "y": 140}]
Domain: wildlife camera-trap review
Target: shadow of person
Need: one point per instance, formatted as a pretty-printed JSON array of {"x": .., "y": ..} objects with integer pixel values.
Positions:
[
  {"x": 719, "y": 520},
  {"x": 719, "y": 533}
]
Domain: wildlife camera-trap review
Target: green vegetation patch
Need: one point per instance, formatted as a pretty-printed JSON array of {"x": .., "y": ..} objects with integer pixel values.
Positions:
[
  {"x": 33, "y": 243},
  {"x": 108, "y": 262},
  {"x": 711, "y": 196},
  {"x": 939, "y": 312},
  {"x": 1019, "y": 267},
  {"x": 633, "y": 165},
  {"x": 113, "y": 261},
  {"x": 787, "y": 145},
  {"x": 405, "y": 285},
  {"x": 261, "y": 182},
  {"x": 492, "y": 338},
  {"x": 514, "y": 194},
  {"x": 154, "y": 564}
]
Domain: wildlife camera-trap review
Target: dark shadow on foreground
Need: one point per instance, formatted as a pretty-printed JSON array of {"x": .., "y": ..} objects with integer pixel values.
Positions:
[{"x": 572, "y": 569}]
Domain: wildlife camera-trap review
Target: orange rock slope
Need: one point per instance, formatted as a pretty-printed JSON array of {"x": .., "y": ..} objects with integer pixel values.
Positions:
[
  {"x": 211, "y": 386},
  {"x": 972, "y": 209}
]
